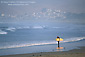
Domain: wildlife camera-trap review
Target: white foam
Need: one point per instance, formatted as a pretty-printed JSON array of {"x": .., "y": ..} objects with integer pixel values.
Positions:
[
  {"x": 74, "y": 39},
  {"x": 27, "y": 27},
  {"x": 30, "y": 27},
  {"x": 37, "y": 27},
  {"x": 11, "y": 29},
  {"x": 3, "y": 32},
  {"x": 24, "y": 45}
]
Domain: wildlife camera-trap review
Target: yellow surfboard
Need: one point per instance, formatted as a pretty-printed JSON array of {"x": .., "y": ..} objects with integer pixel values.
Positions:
[{"x": 59, "y": 39}]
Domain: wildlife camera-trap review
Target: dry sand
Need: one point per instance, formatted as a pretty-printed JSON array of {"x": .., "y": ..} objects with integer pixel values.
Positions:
[{"x": 72, "y": 53}]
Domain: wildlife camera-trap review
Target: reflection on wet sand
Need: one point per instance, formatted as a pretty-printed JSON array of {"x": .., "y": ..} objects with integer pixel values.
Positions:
[{"x": 60, "y": 49}]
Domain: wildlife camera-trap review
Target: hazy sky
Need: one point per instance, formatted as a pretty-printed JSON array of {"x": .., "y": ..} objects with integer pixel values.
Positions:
[
  {"x": 75, "y": 6},
  {"x": 20, "y": 7}
]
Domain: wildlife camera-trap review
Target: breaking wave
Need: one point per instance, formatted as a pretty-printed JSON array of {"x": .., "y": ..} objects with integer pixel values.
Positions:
[
  {"x": 37, "y": 27},
  {"x": 74, "y": 39},
  {"x": 27, "y": 27},
  {"x": 3, "y": 32},
  {"x": 41, "y": 43},
  {"x": 11, "y": 29},
  {"x": 30, "y": 27}
]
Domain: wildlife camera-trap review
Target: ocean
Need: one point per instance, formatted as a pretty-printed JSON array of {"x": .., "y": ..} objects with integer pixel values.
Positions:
[{"x": 16, "y": 39}]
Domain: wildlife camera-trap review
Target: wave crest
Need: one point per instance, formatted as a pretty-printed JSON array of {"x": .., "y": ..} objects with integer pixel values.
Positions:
[
  {"x": 37, "y": 27},
  {"x": 74, "y": 39},
  {"x": 11, "y": 29},
  {"x": 3, "y": 32}
]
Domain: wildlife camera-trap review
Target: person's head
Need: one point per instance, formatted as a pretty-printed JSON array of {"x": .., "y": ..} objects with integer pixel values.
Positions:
[{"x": 57, "y": 36}]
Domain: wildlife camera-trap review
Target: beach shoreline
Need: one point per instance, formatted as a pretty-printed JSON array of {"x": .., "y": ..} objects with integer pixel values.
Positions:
[{"x": 72, "y": 53}]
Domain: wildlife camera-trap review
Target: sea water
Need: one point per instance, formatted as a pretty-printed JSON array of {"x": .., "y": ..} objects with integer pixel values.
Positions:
[{"x": 39, "y": 38}]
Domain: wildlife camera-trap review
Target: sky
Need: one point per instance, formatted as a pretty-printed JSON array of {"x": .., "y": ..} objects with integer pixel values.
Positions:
[
  {"x": 26, "y": 10},
  {"x": 75, "y": 6}
]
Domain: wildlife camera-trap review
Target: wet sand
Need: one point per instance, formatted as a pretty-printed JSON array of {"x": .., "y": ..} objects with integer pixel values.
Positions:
[{"x": 72, "y": 53}]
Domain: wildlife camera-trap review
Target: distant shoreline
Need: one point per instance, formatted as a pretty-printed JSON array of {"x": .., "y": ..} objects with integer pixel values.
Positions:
[{"x": 72, "y": 53}]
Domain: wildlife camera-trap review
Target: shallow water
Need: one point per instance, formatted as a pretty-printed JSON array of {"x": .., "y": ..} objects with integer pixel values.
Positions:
[{"x": 31, "y": 39}]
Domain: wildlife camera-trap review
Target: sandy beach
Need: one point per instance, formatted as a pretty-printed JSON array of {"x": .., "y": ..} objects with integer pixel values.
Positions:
[{"x": 72, "y": 53}]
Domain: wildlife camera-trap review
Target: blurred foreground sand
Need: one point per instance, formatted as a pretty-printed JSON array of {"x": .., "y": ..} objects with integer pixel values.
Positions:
[{"x": 72, "y": 53}]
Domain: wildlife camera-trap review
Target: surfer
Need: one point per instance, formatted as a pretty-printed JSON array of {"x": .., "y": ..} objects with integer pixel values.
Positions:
[{"x": 59, "y": 40}]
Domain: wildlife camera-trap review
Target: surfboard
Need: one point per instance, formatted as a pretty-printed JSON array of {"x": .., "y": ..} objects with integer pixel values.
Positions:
[{"x": 59, "y": 39}]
